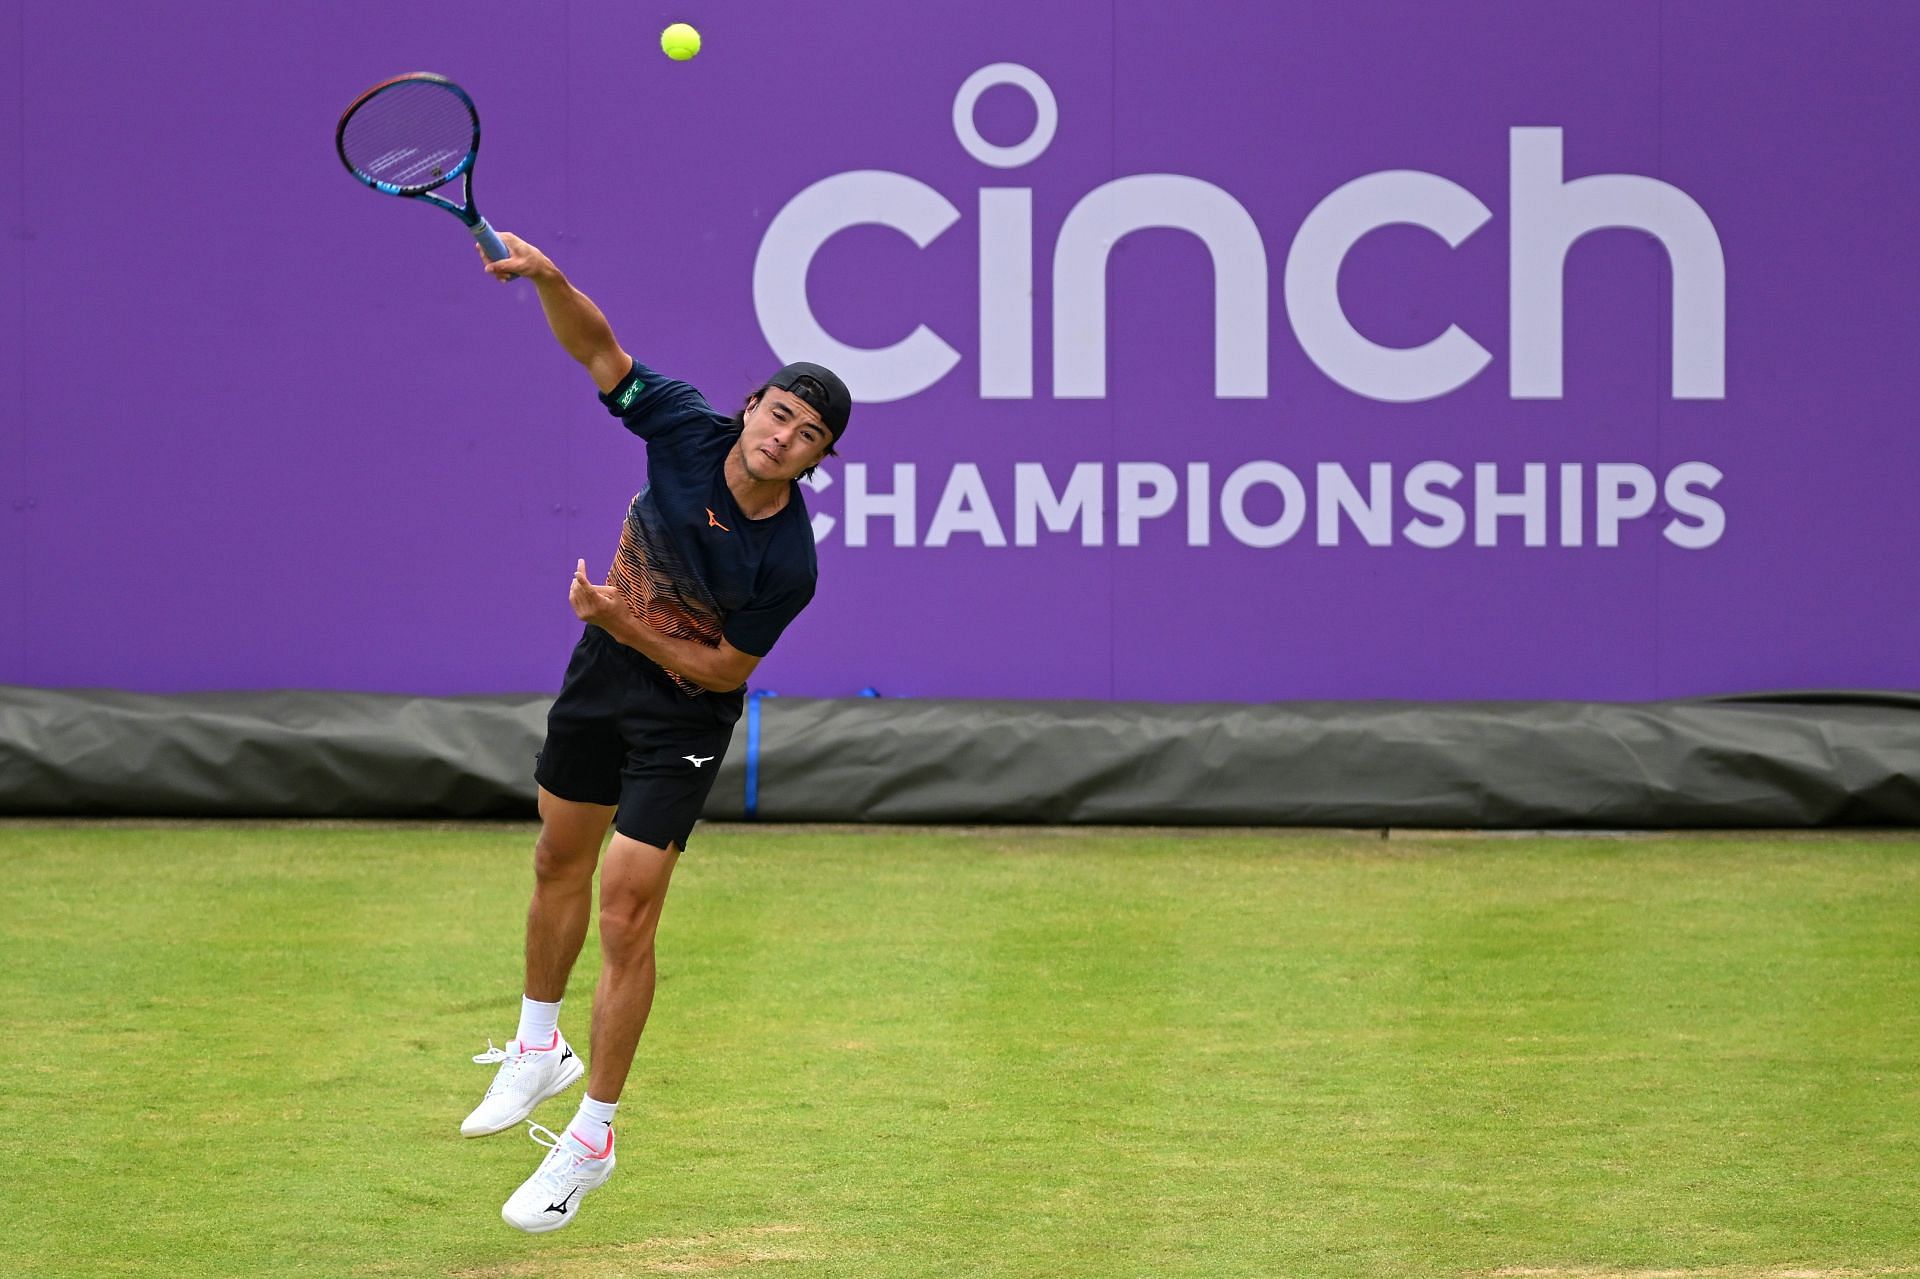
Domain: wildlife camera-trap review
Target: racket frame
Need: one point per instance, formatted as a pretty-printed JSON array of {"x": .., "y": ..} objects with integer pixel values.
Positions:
[{"x": 468, "y": 214}]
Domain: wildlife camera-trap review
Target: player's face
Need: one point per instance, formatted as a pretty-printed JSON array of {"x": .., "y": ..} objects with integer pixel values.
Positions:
[{"x": 781, "y": 436}]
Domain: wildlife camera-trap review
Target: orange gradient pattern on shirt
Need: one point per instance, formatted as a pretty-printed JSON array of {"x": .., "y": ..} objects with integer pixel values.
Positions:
[{"x": 654, "y": 580}]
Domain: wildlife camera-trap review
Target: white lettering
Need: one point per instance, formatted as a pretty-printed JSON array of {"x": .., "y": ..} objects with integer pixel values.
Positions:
[
  {"x": 1233, "y": 497},
  {"x": 1681, "y": 481},
  {"x": 796, "y": 233},
  {"x": 1006, "y": 294},
  {"x": 1450, "y": 521},
  {"x": 859, "y": 505},
  {"x": 1489, "y": 503},
  {"x": 819, "y": 482},
  {"x": 1549, "y": 214},
  {"x": 1621, "y": 491},
  {"x": 1146, "y": 491},
  {"x": 970, "y": 503},
  {"x": 965, "y": 507},
  {"x": 1199, "y": 508},
  {"x": 1115, "y": 209},
  {"x": 1571, "y": 533},
  {"x": 1334, "y": 494},
  {"x": 1034, "y": 501},
  {"x": 1046, "y": 115},
  {"x": 1336, "y": 224}
]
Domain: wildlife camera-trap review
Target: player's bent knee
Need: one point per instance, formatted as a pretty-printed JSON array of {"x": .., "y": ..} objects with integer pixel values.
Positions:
[
  {"x": 558, "y": 863},
  {"x": 628, "y": 905},
  {"x": 627, "y": 932},
  {"x": 628, "y": 925}
]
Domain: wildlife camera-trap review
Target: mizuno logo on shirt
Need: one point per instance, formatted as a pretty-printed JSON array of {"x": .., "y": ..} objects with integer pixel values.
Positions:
[
  {"x": 696, "y": 760},
  {"x": 714, "y": 523}
]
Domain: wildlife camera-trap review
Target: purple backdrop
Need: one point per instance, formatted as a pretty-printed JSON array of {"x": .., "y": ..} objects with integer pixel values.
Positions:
[{"x": 263, "y": 428}]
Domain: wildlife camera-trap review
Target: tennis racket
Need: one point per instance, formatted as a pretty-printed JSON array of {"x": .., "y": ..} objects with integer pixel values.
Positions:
[{"x": 411, "y": 135}]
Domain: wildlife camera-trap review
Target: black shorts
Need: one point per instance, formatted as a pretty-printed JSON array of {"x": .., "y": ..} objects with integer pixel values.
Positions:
[{"x": 621, "y": 733}]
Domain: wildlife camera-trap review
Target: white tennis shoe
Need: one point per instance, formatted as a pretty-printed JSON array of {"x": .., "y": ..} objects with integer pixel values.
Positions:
[
  {"x": 551, "y": 1197},
  {"x": 526, "y": 1078}
]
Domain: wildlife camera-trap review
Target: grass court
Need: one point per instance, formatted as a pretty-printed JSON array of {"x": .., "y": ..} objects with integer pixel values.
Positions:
[{"x": 242, "y": 1049}]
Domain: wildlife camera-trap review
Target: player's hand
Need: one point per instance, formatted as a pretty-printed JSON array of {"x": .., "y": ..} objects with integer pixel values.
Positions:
[
  {"x": 522, "y": 260},
  {"x": 592, "y": 603}
]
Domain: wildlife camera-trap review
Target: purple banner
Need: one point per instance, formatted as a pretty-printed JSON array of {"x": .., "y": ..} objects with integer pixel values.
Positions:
[{"x": 1490, "y": 350}]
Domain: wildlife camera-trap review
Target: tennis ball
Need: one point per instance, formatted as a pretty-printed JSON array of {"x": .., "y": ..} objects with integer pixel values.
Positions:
[{"x": 680, "y": 42}]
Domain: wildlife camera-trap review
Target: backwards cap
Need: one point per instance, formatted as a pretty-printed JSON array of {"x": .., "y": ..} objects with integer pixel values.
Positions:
[{"x": 834, "y": 407}]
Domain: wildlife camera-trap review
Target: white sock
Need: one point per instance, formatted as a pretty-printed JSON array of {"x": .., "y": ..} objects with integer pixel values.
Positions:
[
  {"x": 538, "y": 1022},
  {"x": 593, "y": 1123}
]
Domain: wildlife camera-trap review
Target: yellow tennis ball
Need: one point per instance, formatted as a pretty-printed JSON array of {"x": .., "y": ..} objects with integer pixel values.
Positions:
[{"x": 680, "y": 42}]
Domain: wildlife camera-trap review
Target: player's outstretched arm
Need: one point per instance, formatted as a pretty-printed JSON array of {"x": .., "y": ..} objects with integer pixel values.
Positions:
[{"x": 578, "y": 324}]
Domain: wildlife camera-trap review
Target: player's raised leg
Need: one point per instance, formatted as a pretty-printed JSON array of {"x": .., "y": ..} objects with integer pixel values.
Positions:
[
  {"x": 538, "y": 1062},
  {"x": 633, "y": 889}
]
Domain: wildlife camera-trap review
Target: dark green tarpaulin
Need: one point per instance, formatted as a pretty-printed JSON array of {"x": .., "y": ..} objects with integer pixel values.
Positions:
[{"x": 1768, "y": 760}]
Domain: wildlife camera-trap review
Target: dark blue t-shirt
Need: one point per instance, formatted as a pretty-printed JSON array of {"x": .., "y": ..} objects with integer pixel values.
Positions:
[{"x": 690, "y": 564}]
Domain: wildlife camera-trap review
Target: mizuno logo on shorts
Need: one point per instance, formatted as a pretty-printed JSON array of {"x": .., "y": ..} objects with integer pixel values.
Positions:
[
  {"x": 713, "y": 522},
  {"x": 696, "y": 760}
]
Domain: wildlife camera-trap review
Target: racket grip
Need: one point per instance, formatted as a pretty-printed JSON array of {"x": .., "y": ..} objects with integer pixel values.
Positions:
[{"x": 489, "y": 242}]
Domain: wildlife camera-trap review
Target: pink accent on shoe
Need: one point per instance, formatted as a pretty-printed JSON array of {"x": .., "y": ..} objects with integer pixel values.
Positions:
[
  {"x": 526, "y": 1047},
  {"x": 589, "y": 1146}
]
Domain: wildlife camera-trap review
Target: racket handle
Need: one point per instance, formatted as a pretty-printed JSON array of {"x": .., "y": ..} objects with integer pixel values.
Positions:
[{"x": 489, "y": 242}]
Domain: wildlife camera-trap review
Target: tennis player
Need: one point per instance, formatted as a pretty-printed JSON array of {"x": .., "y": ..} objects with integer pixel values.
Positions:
[{"x": 715, "y": 560}]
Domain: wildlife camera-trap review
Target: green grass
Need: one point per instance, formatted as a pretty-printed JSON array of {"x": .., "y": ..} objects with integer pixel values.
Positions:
[{"x": 242, "y": 1050}]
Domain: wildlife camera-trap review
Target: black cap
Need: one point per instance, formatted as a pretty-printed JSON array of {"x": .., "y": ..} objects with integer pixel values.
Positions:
[{"x": 837, "y": 405}]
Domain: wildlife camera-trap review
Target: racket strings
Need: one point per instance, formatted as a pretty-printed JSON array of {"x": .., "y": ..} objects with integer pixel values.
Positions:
[{"x": 413, "y": 135}]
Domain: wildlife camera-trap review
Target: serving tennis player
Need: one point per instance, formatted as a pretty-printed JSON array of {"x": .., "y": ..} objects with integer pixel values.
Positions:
[{"x": 715, "y": 559}]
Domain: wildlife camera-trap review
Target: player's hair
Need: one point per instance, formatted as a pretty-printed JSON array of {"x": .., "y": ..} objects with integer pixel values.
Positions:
[{"x": 809, "y": 390}]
